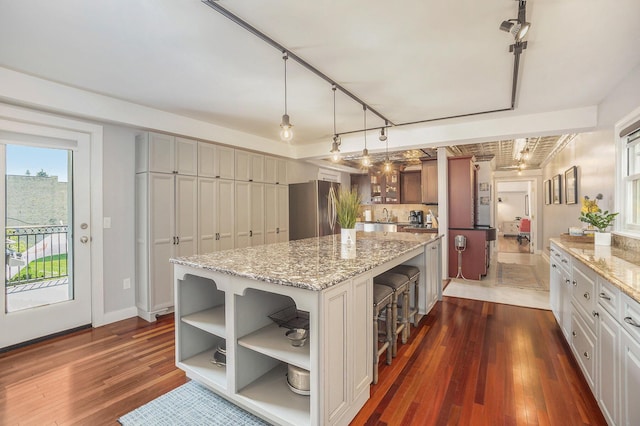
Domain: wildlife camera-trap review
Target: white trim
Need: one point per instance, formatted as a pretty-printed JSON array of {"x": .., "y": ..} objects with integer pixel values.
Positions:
[
  {"x": 621, "y": 204},
  {"x": 94, "y": 132}
]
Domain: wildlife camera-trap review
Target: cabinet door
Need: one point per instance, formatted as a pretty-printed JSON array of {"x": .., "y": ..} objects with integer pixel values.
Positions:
[
  {"x": 186, "y": 215},
  {"x": 630, "y": 389},
  {"x": 583, "y": 344},
  {"x": 225, "y": 216},
  {"x": 206, "y": 215},
  {"x": 161, "y": 153},
  {"x": 565, "y": 300},
  {"x": 361, "y": 339},
  {"x": 608, "y": 382},
  {"x": 429, "y": 178},
  {"x": 282, "y": 177},
  {"x": 410, "y": 192},
  {"x": 270, "y": 213},
  {"x": 282, "y": 231},
  {"x": 161, "y": 233},
  {"x": 555, "y": 287},
  {"x": 186, "y": 157},
  {"x": 243, "y": 166},
  {"x": 242, "y": 214},
  {"x": 362, "y": 185},
  {"x": 392, "y": 187},
  {"x": 256, "y": 207},
  {"x": 225, "y": 162},
  {"x": 257, "y": 167},
  {"x": 206, "y": 159},
  {"x": 270, "y": 169}
]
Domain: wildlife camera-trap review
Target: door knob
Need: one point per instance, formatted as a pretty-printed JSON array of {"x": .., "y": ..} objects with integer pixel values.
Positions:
[{"x": 84, "y": 239}]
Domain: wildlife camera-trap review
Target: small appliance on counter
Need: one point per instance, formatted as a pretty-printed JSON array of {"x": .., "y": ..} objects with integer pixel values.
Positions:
[{"x": 416, "y": 217}]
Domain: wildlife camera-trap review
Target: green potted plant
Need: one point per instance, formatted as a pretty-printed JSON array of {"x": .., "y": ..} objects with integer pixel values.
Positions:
[
  {"x": 347, "y": 206},
  {"x": 593, "y": 215}
]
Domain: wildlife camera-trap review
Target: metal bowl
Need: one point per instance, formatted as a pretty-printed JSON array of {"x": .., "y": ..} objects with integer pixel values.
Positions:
[{"x": 297, "y": 336}]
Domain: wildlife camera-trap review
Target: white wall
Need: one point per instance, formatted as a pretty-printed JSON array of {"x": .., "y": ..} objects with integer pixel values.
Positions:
[
  {"x": 511, "y": 206},
  {"x": 118, "y": 195},
  {"x": 623, "y": 99}
]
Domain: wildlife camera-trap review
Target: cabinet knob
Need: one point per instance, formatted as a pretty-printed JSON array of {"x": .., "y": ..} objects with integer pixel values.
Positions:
[
  {"x": 567, "y": 281},
  {"x": 251, "y": 233},
  {"x": 277, "y": 230},
  {"x": 604, "y": 296},
  {"x": 573, "y": 333},
  {"x": 564, "y": 261},
  {"x": 554, "y": 266},
  {"x": 631, "y": 321},
  {"x": 595, "y": 314},
  {"x": 586, "y": 355},
  {"x": 575, "y": 284},
  {"x": 587, "y": 296}
]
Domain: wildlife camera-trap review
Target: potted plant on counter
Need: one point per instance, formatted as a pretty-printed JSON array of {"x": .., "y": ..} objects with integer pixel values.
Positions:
[
  {"x": 347, "y": 205},
  {"x": 593, "y": 215}
]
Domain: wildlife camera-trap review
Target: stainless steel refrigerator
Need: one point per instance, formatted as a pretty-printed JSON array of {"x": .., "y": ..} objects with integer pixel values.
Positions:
[{"x": 308, "y": 209}]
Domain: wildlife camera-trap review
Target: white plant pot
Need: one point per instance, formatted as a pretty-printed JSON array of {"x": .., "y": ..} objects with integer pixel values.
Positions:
[
  {"x": 348, "y": 236},
  {"x": 602, "y": 238}
]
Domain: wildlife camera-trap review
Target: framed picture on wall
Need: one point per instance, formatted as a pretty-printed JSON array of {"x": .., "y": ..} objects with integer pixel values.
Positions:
[
  {"x": 557, "y": 189},
  {"x": 570, "y": 185},
  {"x": 547, "y": 191}
]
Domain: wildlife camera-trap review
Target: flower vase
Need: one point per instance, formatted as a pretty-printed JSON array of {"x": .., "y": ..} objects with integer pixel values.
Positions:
[
  {"x": 602, "y": 238},
  {"x": 348, "y": 236}
]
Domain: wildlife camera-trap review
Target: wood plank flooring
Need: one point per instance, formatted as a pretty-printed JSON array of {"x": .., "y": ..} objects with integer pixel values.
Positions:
[{"x": 469, "y": 363}]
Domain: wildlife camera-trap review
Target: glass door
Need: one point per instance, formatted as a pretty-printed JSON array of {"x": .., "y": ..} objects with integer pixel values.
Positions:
[{"x": 47, "y": 240}]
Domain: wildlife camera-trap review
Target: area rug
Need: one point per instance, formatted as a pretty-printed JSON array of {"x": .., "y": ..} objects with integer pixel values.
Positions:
[
  {"x": 519, "y": 276},
  {"x": 190, "y": 404}
]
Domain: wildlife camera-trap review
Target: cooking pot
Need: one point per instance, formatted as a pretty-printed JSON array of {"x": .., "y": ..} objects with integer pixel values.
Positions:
[{"x": 298, "y": 378}]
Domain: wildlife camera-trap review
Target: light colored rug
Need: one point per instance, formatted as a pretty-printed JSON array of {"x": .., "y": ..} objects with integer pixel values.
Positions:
[
  {"x": 187, "y": 405},
  {"x": 491, "y": 293},
  {"x": 519, "y": 276}
]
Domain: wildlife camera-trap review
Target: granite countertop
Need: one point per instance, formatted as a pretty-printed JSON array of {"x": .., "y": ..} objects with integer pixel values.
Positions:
[
  {"x": 311, "y": 263},
  {"x": 618, "y": 266}
]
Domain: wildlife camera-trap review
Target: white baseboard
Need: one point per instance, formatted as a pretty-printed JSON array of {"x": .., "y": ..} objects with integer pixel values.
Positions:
[{"x": 122, "y": 314}]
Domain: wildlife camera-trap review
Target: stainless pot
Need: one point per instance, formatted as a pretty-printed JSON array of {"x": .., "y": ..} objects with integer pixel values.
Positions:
[{"x": 299, "y": 378}]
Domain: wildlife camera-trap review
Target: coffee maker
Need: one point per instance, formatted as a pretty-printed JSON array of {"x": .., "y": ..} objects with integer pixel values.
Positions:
[{"x": 416, "y": 217}]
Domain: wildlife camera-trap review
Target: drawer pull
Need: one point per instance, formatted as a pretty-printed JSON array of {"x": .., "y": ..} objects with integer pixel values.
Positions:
[
  {"x": 587, "y": 296},
  {"x": 564, "y": 261},
  {"x": 586, "y": 355},
  {"x": 554, "y": 266},
  {"x": 573, "y": 333},
  {"x": 595, "y": 314},
  {"x": 575, "y": 284},
  {"x": 605, "y": 296},
  {"x": 631, "y": 321}
]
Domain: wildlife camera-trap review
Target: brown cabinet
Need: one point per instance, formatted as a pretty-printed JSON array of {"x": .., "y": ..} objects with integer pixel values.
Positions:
[
  {"x": 475, "y": 257},
  {"x": 429, "y": 182},
  {"x": 362, "y": 184},
  {"x": 410, "y": 192},
  {"x": 462, "y": 187},
  {"x": 385, "y": 187}
]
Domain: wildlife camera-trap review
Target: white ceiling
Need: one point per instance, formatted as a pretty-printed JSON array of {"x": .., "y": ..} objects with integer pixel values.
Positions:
[{"x": 410, "y": 61}]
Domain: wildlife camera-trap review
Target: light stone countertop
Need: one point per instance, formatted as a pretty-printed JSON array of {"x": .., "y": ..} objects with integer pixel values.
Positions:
[
  {"x": 618, "y": 266},
  {"x": 311, "y": 263}
]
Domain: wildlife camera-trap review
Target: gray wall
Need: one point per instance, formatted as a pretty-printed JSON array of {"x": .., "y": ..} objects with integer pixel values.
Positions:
[{"x": 118, "y": 196}]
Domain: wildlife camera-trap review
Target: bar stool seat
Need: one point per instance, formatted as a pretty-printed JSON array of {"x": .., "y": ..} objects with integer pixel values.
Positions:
[
  {"x": 400, "y": 286},
  {"x": 382, "y": 300},
  {"x": 413, "y": 273}
]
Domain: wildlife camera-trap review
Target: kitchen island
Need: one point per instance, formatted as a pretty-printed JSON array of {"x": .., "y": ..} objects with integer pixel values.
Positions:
[{"x": 224, "y": 299}]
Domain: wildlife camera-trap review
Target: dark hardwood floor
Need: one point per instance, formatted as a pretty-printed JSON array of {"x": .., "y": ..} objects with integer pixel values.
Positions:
[{"x": 469, "y": 363}]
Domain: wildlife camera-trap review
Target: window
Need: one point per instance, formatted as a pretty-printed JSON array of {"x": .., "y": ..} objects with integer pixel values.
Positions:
[{"x": 630, "y": 174}]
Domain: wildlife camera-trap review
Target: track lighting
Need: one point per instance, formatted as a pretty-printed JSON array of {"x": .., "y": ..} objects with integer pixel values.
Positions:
[
  {"x": 366, "y": 160},
  {"x": 286, "y": 128},
  {"x": 516, "y": 28}
]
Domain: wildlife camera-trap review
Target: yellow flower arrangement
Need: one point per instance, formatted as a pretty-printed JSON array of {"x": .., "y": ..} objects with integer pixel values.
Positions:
[
  {"x": 592, "y": 214},
  {"x": 590, "y": 206}
]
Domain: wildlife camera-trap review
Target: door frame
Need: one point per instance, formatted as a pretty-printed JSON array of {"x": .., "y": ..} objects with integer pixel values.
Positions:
[{"x": 22, "y": 120}]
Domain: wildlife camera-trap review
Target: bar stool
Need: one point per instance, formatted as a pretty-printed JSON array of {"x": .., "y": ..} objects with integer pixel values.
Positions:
[
  {"x": 400, "y": 286},
  {"x": 413, "y": 273},
  {"x": 382, "y": 300}
]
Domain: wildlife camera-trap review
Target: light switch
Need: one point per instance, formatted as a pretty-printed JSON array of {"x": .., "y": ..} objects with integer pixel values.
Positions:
[{"x": 107, "y": 223}]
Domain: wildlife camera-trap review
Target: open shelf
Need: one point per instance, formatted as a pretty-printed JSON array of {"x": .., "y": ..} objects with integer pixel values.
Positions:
[
  {"x": 209, "y": 320},
  {"x": 204, "y": 369},
  {"x": 271, "y": 394},
  {"x": 271, "y": 341}
]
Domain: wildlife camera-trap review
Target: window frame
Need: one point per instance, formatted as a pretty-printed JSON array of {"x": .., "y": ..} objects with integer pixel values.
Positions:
[{"x": 624, "y": 197}]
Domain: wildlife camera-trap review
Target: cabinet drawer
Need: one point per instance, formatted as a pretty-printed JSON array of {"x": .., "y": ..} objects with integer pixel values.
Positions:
[
  {"x": 630, "y": 316},
  {"x": 584, "y": 290},
  {"x": 608, "y": 297},
  {"x": 560, "y": 257},
  {"x": 583, "y": 344}
]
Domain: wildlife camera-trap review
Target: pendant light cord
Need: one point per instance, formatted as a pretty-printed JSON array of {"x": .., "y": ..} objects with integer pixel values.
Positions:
[
  {"x": 364, "y": 108},
  {"x": 334, "y": 109},
  {"x": 285, "y": 56}
]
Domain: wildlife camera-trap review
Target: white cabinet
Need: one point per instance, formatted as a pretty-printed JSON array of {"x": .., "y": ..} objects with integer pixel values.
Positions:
[
  {"x": 584, "y": 317},
  {"x": 630, "y": 360},
  {"x": 433, "y": 274},
  {"x": 249, "y": 166},
  {"x": 249, "y": 214},
  {"x": 275, "y": 170},
  {"x": 160, "y": 153},
  {"x": 511, "y": 228},
  {"x": 216, "y": 199},
  {"x": 608, "y": 374},
  {"x": 216, "y": 161},
  {"x": 276, "y": 211},
  {"x": 561, "y": 288},
  {"x": 166, "y": 223}
]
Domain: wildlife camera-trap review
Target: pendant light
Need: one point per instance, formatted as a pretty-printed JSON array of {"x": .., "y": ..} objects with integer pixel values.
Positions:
[
  {"x": 387, "y": 164},
  {"x": 335, "y": 146},
  {"x": 286, "y": 131},
  {"x": 366, "y": 160}
]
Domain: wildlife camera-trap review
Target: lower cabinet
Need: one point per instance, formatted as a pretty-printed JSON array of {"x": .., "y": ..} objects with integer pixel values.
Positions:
[
  {"x": 433, "y": 274},
  {"x": 608, "y": 376},
  {"x": 630, "y": 379}
]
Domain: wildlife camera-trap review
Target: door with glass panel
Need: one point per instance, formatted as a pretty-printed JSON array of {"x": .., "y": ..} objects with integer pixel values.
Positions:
[{"x": 45, "y": 216}]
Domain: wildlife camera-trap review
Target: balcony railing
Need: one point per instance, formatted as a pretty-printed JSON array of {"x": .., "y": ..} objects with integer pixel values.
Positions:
[{"x": 35, "y": 254}]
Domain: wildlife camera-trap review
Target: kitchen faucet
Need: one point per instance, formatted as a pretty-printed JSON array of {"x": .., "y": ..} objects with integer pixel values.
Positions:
[{"x": 386, "y": 214}]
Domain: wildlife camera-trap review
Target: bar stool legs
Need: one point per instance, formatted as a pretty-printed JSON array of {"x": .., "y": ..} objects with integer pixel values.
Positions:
[
  {"x": 382, "y": 299},
  {"x": 413, "y": 274},
  {"x": 400, "y": 286}
]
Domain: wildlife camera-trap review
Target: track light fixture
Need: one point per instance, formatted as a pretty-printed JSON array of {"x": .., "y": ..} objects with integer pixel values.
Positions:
[
  {"x": 516, "y": 28},
  {"x": 366, "y": 160},
  {"x": 335, "y": 146},
  {"x": 286, "y": 128},
  {"x": 387, "y": 164}
]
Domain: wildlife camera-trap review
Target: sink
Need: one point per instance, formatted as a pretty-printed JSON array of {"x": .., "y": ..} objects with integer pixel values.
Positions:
[{"x": 380, "y": 227}]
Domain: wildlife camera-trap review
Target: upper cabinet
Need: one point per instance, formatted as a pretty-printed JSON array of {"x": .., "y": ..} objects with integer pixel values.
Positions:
[
  {"x": 215, "y": 161},
  {"x": 249, "y": 166},
  {"x": 275, "y": 170},
  {"x": 166, "y": 154},
  {"x": 385, "y": 187},
  {"x": 429, "y": 184},
  {"x": 410, "y": 192},
  {"x": 362, "y": 185},
  {"x": 462, "y": 178}
]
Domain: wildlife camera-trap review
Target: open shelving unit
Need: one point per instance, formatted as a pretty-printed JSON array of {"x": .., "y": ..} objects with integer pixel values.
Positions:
[
  {"x": 271, "y": 341},
  {"x": 210, "y": 320}
]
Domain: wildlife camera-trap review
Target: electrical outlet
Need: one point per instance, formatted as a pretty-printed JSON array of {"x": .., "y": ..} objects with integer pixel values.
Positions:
[
  {"x": 106, "y": 223},
  {"x": 126, "y": 283}
]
